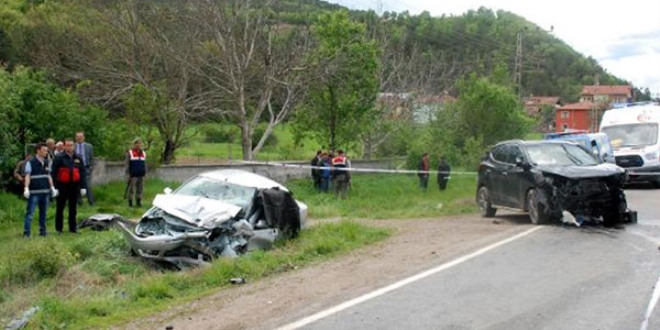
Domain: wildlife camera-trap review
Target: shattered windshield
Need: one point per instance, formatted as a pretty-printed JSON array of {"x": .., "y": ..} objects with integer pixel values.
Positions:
[
  {"x": 560, "y": 154},
  {"x": 218, "y": 190},
  {"x": 632, "y": 135}
]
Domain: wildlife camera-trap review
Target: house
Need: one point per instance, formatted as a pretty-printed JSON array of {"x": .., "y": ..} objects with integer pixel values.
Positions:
[
  {"x": 534, "y": 106},
  {"x": 576, "y": 116},
  {"x": 604, "y": 95}
]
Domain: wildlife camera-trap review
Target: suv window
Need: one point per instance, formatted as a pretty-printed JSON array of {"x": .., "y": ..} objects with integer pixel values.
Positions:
[
  {"x": 514, "y": 153},
  {"x": 499, "y": 153}
]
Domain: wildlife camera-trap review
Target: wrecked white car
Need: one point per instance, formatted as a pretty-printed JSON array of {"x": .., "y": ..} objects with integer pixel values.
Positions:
[
  {"x": 221, "y": 213},
  {"x": 552, "y": 180}
]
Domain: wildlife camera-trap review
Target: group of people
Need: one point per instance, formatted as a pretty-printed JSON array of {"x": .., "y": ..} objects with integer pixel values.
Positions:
[
  {"x": 62, "y": 172},
  {"x": 333, "y": 170},
  {"x": 424, "y": 174},
  {"x": 59, "y": 171}
]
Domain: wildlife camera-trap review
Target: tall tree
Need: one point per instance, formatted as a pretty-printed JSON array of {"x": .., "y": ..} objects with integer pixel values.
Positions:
[
  {"x": 252, "y": 62},
  {"x": 345, "y": 64},
  {"x": 114, "y": 47}
]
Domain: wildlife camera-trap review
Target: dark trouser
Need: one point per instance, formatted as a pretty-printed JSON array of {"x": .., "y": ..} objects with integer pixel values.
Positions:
[
  {"x": 442, "y": 183},
  {"x": 135, "y": 187},
  {"x": 317, "y": 181},
  {"x": 68, "y": 197},
  {"x": 42, "y": 201},
  {"x": 424, "y": 181},
  {"x": 88, "y": 186},
  {"x": 325, "y": 184},
  {"x": 341, "y": 185}
]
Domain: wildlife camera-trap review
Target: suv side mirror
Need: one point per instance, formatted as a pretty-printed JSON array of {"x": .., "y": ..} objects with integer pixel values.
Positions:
[{"x": 522, "y": 164}]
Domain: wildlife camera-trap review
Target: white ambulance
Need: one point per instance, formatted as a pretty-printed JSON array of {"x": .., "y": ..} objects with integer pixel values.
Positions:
[{"x": 635, "y": 138}]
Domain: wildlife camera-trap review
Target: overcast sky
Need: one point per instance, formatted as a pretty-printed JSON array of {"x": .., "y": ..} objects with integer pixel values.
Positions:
[{"x": 624, "y": 36}]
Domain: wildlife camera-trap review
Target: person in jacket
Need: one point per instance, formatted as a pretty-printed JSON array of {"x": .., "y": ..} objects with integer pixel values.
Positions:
[
  {"x": 86, "y": 152},
  {"x": 70, "y": 176},
  {"x": 19, "y": 175},
  {"x": 38, "y": 189},
  {"x": 423, "y": 172},
  {"x": 443, "y": 173},
  {"x": 341, "y": 175},
  {"x": 316, "y": 173},
  {"x": 136, "y": 169},
  {"x": 326, "y": 172}
]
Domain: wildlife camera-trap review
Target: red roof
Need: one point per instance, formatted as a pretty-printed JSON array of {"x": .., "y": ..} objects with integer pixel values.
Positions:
[
  {"x": 579, "y": 106},
  {"x": 607, "y": 90}
]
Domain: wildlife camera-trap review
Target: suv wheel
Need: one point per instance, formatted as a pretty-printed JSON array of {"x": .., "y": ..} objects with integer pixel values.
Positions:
[
  {"x": 537, "y": 212},
  {"x": 485, "y": 207}
]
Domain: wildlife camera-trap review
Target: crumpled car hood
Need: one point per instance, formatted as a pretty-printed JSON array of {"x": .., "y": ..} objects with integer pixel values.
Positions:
[
  {"x": 198, "y": 211},
  {"x": 581, "y": 172}
]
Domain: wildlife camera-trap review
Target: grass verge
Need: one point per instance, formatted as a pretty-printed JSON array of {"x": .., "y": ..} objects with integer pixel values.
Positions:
[{"x": 90, "y": 280}]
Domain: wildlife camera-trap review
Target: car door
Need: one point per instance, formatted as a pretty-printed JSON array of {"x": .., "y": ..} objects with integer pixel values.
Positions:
[
  {"x": 499, "y": 175},
  {"x": 517, "y": 177}
]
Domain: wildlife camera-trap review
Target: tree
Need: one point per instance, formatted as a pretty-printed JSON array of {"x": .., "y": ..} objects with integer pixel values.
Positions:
[
  {"x": 252, "y": 63},
  {"x": 484, "y": 114},
  {"x": 34, "y": 109},
  {"x": 114, "y": 47},
  {"x": 342, "y": 96}
]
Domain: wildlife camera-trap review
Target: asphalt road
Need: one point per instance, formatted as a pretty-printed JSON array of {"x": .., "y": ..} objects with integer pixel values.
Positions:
[{"x": 552, "y": 278}]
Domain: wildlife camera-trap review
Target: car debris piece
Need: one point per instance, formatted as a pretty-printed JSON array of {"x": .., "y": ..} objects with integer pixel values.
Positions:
[
  {"x": 20, "y": 323},
  {"x": 569, "y": 219},
  {"x": 237, "y": 280},
  {"x": 99, "y": 222},
  {"x": 222, "y": 213}
]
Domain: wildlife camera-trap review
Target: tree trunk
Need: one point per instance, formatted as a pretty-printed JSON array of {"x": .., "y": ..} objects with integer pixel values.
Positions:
[
  {"x": 246, "y": 141},
  {"x": 168, "y": 152}
]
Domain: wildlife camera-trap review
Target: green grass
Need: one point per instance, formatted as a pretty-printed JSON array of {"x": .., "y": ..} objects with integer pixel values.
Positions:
[
  {"x": 385, "y": 196},
  {"x": 286, "y": 149},
  {"x": 91, "y": 281}
]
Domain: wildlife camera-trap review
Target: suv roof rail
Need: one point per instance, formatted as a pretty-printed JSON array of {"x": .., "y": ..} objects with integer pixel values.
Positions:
[{"x": 633, "y": 104}]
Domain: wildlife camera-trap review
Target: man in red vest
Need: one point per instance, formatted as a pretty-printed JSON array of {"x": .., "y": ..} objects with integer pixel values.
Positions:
[
  {"x": 136, "y": 169},
  {"x": 341, "y": 176},
  {"x": 70, "y": 175}
]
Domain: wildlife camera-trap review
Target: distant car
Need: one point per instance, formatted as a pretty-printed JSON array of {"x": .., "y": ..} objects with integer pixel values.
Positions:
[
  {"x": 546, "y": 178},
  {"x": 221, "y": 213},
  {"x": 597, "y": 143}
]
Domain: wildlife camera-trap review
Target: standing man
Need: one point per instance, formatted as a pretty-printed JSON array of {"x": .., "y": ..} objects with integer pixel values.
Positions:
[
  {"x": 86, "y": 152},
  {"x": 316, "y": 173},
  {"x": 136, "y": 169},
  {"x": 19, "y": 175},
  {"x": 70, "y": 177},
  {"x": 424, "y": 172},
  {"x": 341, "y": 175},
  {"x": 59, "y": 148},
  {"x": 38, "y": 188},
  {"x": 50, "y": 143},
  {"x": 443, "y": 173}
]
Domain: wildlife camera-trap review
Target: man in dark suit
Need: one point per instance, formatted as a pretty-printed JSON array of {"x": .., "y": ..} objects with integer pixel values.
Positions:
[{"x": 86, "y": 152}]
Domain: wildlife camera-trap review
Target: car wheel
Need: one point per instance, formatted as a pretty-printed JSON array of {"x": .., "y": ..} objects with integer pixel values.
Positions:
[
  {"x": 537, "y": 213},
  {"x": 485, "y": 207}
]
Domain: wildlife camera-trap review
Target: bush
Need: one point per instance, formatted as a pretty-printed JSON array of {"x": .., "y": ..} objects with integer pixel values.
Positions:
[{"x": 219, "y": 134}]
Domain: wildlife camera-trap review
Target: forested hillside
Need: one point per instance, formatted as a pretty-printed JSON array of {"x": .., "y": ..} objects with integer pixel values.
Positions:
[{"x": 435, "y": 50}]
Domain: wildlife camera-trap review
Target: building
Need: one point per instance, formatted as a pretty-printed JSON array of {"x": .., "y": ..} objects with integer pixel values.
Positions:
[
  {"x": 534, "y": 106},
  {"x": 604, "y": 96},
  {"x": 575, "y": 116}
]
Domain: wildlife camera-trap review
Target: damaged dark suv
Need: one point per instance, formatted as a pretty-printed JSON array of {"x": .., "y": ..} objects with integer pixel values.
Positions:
[{"x": 545, "y": 178}]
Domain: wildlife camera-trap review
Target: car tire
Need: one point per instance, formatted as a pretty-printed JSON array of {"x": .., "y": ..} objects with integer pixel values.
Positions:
[
  {"x": 537, "y": 213},
  {"x": 485, "y": 207}
]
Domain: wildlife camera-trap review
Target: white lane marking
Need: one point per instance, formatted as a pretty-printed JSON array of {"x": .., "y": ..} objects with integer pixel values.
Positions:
[
  {"x": 371, "y": 295},
  {"x": 649, "y": 310}
]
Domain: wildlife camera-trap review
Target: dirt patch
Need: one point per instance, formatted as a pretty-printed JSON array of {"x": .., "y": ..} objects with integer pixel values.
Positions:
[{"x": 417, "y": 245}]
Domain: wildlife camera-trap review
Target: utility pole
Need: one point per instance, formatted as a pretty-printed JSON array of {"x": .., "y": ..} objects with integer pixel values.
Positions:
[
  {"x": 517, "y": 73},
  {"x": 379, "y": 7}
]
